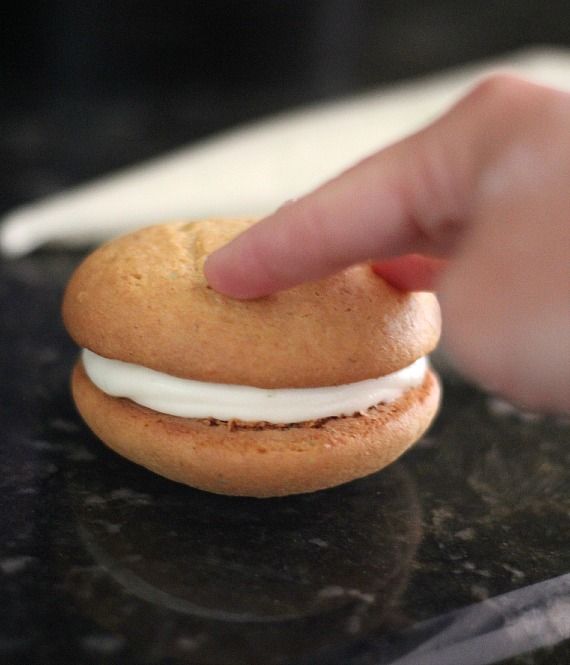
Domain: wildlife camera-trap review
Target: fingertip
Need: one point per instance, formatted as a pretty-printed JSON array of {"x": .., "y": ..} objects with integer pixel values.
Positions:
[
  {"x": 218, "y": 277},
  {"x": 229, "y": 275},
  {"x": 214, "y": 274}
]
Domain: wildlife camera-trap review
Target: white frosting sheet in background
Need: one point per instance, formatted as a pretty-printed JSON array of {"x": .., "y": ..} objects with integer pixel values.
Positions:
[{"x": 253, "y": 169}]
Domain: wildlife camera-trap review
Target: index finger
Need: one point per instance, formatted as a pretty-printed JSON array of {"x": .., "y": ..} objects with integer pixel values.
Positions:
[{"x": 410, "y": 197}]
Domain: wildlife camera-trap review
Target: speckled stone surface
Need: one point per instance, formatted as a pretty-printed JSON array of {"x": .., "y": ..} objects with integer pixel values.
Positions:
[{"x": 101, "y": 562}]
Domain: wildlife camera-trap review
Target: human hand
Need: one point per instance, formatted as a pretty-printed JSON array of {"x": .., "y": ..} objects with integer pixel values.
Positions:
[{"x": 486, "y": 187}]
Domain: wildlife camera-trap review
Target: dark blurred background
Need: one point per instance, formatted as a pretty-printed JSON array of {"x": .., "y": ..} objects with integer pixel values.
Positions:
[{"x": 91, "y": 85}]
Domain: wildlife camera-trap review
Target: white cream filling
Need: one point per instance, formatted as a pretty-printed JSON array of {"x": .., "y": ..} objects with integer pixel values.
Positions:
[{"x": 199, "y": 399}]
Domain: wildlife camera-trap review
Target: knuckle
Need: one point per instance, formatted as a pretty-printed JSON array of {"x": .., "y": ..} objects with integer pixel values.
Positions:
[
  {"x": 512, "y": 98},
  {"x": 500, "y": 87},
  {"x": 504, "y": 93}
]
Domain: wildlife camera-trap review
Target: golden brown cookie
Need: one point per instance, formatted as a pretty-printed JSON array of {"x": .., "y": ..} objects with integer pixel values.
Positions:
[{"x": 143, "y": 299}]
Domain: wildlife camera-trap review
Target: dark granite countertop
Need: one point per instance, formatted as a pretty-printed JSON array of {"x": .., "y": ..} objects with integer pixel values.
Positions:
[{"x": 462, "y": 544}]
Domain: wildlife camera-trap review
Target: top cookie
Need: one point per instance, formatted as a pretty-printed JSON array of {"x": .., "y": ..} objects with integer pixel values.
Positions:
[{"x": 143, "y": 298}]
